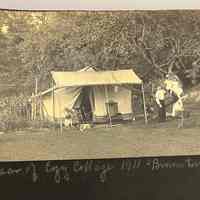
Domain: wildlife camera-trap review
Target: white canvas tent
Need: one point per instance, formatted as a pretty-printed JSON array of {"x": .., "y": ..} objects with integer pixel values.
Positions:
[
  {"x": 100, "y": 88},
  {"x": 95, "y": 78}
]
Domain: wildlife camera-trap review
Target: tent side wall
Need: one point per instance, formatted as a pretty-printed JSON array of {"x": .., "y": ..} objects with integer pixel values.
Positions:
[
  {"x": 63, "y": 98},
  {"x": 118, "y": 94}
]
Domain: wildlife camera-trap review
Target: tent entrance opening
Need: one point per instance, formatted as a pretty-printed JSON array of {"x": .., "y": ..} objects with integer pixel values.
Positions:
[{"x": 84, "y": 106}]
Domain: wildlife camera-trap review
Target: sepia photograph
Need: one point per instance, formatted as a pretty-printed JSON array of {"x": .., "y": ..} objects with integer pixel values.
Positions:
[{"x": 99, "y": 84}]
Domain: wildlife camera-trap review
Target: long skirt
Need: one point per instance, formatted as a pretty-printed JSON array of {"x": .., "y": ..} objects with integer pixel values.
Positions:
[{"x": 162, "y": 112}]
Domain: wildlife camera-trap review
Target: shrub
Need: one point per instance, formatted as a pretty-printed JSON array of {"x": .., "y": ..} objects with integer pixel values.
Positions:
[
  {"x": 36, "y": 124},
  {"x": 14, "y": 123},
  {"x": 9, "y": 122}
]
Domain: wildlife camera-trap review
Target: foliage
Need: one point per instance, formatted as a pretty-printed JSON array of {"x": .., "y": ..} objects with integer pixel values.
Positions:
[
  {"x": 10, "y": 123},
  {"x": 13, "y": 123},
  {"x": 38, "y": 124},
  {"x": 150, "y": 42}
]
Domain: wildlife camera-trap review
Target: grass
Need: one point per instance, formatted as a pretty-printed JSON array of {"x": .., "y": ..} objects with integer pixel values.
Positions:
[
  {"x": 121, "y": 141},
  {"x": 126, "y": 140}
]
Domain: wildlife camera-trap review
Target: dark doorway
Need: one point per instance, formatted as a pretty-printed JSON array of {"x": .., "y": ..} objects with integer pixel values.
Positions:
[{"x": 86, "y": 108}]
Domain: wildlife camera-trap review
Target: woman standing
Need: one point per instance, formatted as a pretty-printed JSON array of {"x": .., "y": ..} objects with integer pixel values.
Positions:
[{"x": 160, "y": 100}]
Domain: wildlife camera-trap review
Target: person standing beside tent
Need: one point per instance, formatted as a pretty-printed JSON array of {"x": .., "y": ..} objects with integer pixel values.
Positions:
[
  {"x": 160, "y": 100},
  {"x": 178, "y": 104},
  {"x": 174, "y": 86}
]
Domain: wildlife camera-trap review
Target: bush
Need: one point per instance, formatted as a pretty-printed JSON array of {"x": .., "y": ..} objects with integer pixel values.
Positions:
[
  {"x": 40, "y": 124},
  {"x": 9, "y": 122},
  {"x": 13, "y": 123}
]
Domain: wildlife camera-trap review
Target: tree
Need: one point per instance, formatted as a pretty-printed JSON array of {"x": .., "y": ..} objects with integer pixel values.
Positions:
[{"x": 150, "y": 42}]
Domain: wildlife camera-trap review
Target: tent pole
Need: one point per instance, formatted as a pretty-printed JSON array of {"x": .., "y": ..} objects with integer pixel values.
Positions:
[
  {"x": 41, "y": 107},
  {"x": 107, "y": 99},
  {"x": 36, "y": 85},
  {"x": 36, "y": 98},
  {"x": 32, "y": 106},
  {"x": 144, "y": 105},
  {"x": 53, "y": 101}
]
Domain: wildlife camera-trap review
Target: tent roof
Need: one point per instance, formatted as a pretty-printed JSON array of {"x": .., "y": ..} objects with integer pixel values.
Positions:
[{"x": 89, "y": 78}]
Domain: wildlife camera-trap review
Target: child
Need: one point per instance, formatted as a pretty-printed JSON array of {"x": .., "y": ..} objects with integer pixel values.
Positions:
[{"x": 68, "y": 122}]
